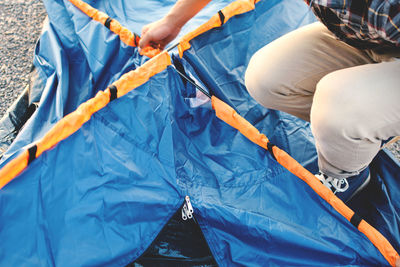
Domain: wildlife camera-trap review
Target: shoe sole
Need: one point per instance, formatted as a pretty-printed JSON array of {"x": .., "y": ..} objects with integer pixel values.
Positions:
[{"x": 363, "y": 185}]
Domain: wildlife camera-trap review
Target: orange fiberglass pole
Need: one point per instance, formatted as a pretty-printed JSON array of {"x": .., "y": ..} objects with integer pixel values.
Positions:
[
  {"x": 231, "y": 117},
  {"x": 72, "y": 122},
  {"x": 126, "y": 36}
]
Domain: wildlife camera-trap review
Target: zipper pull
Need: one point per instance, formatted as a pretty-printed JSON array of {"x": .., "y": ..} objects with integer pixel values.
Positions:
[
  {"x": 189, "y": 205},
  {"x": 187, "y": 209},
  {"x": 184, "y": 216}
]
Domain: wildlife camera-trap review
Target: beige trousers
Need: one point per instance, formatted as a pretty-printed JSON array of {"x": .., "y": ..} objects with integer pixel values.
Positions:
[{"x": 350, "y": 96}]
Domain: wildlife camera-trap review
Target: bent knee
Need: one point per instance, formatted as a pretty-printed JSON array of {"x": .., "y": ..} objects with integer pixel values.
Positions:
[
  {"x": 335, "y": 110},
  {"x": 261, "y": 83}
]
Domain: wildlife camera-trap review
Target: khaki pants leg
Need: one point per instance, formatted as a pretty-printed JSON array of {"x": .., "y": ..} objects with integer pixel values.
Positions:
[
  {"x": 355, "y": 109},
  {"x": 284, "y": 75}
]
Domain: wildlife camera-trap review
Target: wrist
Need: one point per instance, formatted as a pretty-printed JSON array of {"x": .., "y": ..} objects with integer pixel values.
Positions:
[{"x": 175, "y": 21}]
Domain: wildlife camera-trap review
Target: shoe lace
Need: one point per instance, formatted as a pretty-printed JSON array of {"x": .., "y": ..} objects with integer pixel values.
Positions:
[{"x": 339, "y": 185}]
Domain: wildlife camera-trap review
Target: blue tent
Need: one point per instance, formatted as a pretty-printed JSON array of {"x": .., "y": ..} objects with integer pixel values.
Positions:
[{"x": 103, "y": 195}]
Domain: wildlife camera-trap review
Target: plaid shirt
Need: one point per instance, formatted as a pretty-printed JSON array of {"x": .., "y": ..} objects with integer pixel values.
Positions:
[{"x": 366, "y": 24}]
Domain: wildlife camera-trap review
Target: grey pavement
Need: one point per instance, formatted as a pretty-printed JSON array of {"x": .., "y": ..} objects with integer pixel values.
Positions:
[{"x": 20, "y": 26}]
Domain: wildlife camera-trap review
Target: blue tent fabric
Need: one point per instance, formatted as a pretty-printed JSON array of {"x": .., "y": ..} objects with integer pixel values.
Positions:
[
  {"x": 379, "y": 203},
  {"x": 101, "y": 196}
]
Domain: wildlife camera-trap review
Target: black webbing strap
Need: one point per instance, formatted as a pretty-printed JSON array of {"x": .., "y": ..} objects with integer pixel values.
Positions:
[
  {"x": 270, "y": 146},
  {"x": 355, "y": 220},
  {"x": 32, "y": 153},
  {"x": 135, "y": 39},
  {"x": 108, "y": 22},
  {"x": 113, "y": 92},
  {"x": 221, "y": 17}
]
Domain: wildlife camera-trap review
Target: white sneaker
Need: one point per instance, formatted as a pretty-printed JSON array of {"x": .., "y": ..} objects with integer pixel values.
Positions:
[{"x": 346, "y": 188}]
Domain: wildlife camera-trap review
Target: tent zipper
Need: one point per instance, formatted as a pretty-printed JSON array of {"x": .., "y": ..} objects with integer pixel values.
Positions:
[
  {"x": 187, "y": 213},
  {"x": 187, "y": 209}
]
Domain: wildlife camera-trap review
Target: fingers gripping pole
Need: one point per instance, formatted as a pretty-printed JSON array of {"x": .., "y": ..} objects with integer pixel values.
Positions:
[{"x": 126, "y": 36}]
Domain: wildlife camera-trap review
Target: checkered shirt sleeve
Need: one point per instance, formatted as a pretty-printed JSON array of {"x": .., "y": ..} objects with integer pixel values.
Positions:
[{"x": 361, "y": 23}]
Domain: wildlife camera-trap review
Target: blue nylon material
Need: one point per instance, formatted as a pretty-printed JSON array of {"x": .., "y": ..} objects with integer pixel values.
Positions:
[
  {"x": 296, "y": 228},
  {"x": 100, "y": 197}
]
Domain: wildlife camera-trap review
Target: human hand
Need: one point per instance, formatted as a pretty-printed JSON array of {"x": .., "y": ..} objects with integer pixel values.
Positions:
[{"x": 158, "y": 34}]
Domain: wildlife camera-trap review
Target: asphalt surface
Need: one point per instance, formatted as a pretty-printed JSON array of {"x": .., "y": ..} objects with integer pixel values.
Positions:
[{"x": 20, "y": 26}]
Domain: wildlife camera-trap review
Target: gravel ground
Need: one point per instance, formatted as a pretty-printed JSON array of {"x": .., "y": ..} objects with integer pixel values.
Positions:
[
  {"x": 395, "y": 149},
  {"x": 20, "y": 25}
]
